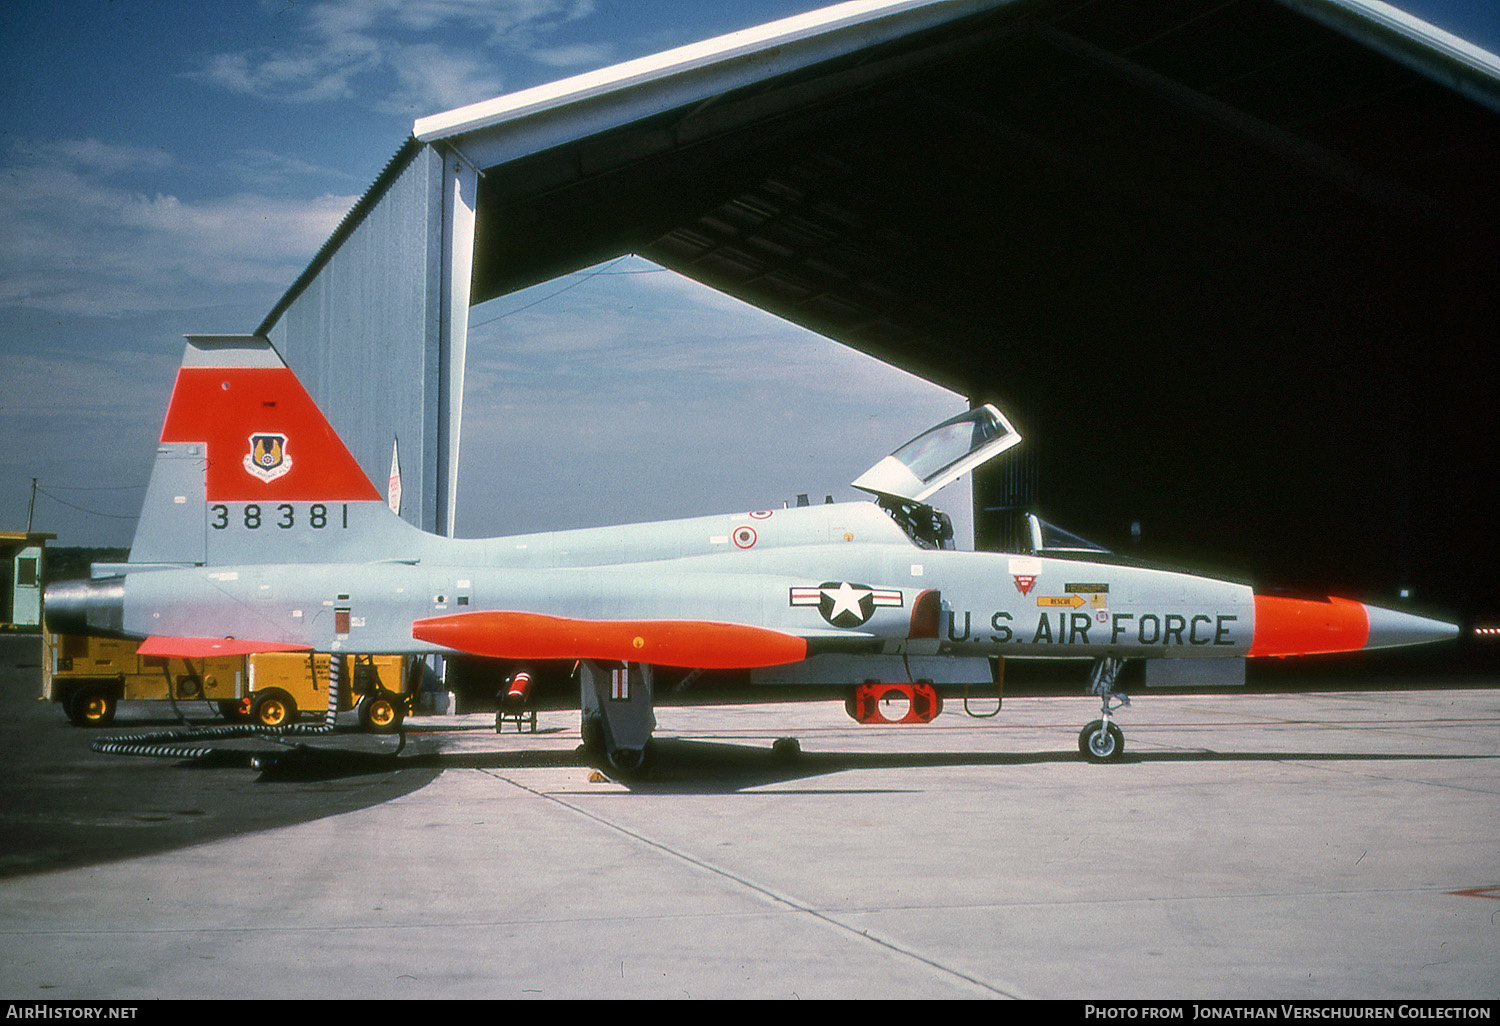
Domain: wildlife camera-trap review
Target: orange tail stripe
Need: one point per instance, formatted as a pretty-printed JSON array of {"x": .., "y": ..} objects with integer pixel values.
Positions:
[
  {"x": 226, "y": 408},
  {"x": 1289, "y": 627},
  {"x": 702, "y": 644}
]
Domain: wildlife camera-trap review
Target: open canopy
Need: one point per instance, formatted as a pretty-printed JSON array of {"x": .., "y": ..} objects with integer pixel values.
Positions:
[{"x": 940, "y": 455}]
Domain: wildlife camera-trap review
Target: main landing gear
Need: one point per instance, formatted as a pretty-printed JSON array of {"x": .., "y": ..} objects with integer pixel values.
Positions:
[
  {"x": 618, "y": 716},
  {"x": 1101, "y": 740}
]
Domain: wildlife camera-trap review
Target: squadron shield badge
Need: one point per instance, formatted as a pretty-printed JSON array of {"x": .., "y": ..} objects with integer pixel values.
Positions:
[{"x": 267, "y": 458}]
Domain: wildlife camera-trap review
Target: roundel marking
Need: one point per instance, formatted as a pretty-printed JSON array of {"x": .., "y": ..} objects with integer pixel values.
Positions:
[
  {"x": 744, "y": 536},
  {"x": 761, "y": 514}
]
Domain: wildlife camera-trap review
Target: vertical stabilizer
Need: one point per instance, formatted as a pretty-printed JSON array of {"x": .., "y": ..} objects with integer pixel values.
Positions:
[
  {"x": 267, "y": 440},
  {"x": 170, "y": 527},
  {"x": 249, "y": 470}
]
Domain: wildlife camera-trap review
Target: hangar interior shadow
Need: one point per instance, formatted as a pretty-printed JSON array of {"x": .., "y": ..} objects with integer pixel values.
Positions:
[{"x": 1232, "y": 272}]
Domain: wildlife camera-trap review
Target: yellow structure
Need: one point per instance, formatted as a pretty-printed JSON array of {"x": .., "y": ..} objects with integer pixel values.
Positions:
[
  {"x": 90, "y": 676},
  {"x": 283, "y": 684}
]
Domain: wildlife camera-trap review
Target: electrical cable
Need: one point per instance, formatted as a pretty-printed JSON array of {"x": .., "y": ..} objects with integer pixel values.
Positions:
[
  {"x": 85, "y": 509},
  {"x": 182, "y": 743}
]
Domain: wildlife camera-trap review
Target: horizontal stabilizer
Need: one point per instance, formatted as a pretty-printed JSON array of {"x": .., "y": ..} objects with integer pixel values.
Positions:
[
  {"x": 696, "y": 644},
  {"x": 200, "y": 648}
]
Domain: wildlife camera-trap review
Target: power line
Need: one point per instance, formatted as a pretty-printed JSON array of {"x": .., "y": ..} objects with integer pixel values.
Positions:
[
  {"x": 84, "y": 509},
  {"x": 571, "y": 285}
]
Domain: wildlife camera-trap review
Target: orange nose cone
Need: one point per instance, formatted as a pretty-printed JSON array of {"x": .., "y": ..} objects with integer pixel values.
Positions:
[{"x": 1290, "y": 627}]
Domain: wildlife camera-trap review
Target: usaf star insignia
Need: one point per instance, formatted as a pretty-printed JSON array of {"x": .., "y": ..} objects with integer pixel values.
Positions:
[{"x": 846, "y": 605}]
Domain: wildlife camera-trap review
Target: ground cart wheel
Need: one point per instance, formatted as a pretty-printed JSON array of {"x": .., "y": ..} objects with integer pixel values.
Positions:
[
  {"x": 382, "y": 712},
  {"x": 274, "y": 708},
  {"x": 92, "y": 705}
]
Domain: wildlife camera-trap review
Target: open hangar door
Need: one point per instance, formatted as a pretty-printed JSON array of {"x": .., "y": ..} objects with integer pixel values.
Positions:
[
  {"x": 1232, "y": 269},
  {"x": 1230, "y": 266}
]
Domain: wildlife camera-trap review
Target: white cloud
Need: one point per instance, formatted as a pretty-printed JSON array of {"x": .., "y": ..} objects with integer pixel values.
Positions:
[
  {"x": 73, "y": 242},
  {"x": 260, "y": 168},
  {"x": 433, "y": 78},
  {"x": 306, "y": 76},
  {"x": 401, "y": 56},
  {"x": 578, "y": 55},
  {"x": 94, "y": 155}
]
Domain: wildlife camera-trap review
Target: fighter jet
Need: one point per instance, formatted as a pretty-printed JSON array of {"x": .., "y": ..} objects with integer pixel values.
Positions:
[{"x": 260, "y": 532}]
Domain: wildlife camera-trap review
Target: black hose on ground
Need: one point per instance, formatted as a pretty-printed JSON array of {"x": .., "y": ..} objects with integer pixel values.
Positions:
[{"x": 169, "y": 743}]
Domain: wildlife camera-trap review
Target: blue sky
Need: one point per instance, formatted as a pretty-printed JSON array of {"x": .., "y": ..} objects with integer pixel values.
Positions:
[{"x": 170, "y": 167}]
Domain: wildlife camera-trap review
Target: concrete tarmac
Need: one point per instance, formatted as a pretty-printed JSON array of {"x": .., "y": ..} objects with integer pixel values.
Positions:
[{"x": 1328, "y": 845}]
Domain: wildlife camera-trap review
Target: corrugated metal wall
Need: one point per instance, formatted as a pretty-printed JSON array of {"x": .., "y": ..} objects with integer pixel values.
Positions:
[{"x": 364, "y": 333}]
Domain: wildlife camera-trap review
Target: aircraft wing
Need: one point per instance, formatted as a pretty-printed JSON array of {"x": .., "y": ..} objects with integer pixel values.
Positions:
[
  {"x": 706, "y": 644},
  {"x": 687, "y": 643},
  {"x": 199, "y": 648}
]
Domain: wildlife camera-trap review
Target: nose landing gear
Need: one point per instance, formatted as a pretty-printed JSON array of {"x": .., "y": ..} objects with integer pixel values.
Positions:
[{"x": 1101, "y": 740}]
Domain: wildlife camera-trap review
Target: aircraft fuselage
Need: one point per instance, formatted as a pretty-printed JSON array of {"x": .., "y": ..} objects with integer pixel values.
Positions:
[{"x": 754, "y": 568}]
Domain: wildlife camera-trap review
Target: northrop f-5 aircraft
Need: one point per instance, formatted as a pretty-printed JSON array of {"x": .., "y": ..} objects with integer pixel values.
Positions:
[{"x": 260, "y": 532}]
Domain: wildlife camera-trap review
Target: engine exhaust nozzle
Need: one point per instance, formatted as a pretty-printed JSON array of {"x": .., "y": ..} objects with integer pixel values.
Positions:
[{"x": 86, "y": 607}]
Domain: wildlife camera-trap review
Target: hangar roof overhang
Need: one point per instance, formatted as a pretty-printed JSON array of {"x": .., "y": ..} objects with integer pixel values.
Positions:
[{"x": 937, "y": 183}]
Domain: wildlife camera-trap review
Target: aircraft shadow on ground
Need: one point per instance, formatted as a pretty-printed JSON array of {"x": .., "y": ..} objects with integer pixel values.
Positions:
[
  {"x": 214, "y": 796},
  {"x": 712, "y": 767}
]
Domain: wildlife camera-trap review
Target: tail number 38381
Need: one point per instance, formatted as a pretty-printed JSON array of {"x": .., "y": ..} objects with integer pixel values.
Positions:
[{"x": 285, "y": 515}]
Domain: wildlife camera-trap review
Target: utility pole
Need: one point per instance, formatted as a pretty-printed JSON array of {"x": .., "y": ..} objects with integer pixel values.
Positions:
[{"x": 31, "y": 506}]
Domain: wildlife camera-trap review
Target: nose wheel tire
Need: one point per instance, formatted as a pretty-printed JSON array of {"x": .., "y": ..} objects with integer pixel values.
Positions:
[{"x": 1101, "y": 742}]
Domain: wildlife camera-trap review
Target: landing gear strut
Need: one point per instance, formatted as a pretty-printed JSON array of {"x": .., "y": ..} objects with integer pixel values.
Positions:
[
  {"x": 1101, "y": 740},
  {"x": 618, "y": 716}
]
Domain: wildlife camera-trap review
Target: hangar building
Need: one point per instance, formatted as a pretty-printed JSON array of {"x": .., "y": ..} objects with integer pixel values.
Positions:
[{"x": 1232, "y": 266}]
